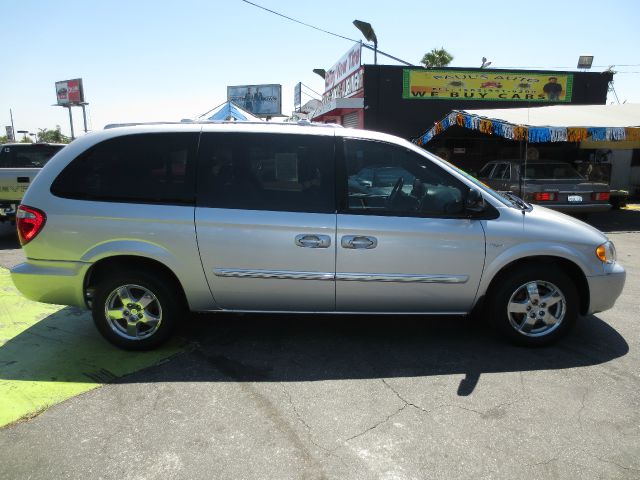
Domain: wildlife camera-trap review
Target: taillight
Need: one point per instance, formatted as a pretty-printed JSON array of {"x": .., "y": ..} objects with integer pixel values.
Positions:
[
  {"x": 600, "y": 196},
  {"x": 545, "y": 196},
  {"x": 29, "y": 222}
]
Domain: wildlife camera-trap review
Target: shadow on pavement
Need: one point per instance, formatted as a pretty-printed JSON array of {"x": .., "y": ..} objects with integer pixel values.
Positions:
[
  {"x": 275, "y": 348},
  {"x": 625, "y": 220}
]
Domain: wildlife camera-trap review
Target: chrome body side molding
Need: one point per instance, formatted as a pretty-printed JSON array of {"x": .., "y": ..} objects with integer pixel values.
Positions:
[
  {"x": 402, "y": 278},
  {"x": 345, "y": 277},
  {"x": 282, "y": 274}
]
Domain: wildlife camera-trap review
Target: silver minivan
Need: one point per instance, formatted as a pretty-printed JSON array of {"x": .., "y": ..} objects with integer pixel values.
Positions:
[{"x": 142, "y": 224}]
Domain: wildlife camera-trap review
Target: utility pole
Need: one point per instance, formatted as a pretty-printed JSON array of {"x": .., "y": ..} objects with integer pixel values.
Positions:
[{"x": 13, "y": 128}]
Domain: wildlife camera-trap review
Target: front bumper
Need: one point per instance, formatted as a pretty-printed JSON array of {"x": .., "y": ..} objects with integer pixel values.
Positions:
[
  {"x": 48, "y": 281},
  {"x": 604, "y": 290}
]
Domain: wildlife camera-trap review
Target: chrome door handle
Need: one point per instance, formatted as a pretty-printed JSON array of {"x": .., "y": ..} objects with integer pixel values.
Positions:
[
  {"x": 313, "y": 241},
  {"x": 358, "y": 241}
]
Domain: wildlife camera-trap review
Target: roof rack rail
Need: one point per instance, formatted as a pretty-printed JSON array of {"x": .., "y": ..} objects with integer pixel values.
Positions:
[{"x": 304, "y": 123}]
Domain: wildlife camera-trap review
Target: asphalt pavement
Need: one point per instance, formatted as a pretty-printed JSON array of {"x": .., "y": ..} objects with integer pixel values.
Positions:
[{"x": 341, "y": 397}]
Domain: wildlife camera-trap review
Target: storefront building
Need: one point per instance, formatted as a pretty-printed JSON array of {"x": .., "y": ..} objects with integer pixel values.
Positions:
[
  {"x": 601, "y": 141},
  {"x": 406, "y": 101}
]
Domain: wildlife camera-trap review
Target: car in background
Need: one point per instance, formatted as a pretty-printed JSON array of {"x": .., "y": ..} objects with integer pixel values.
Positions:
[
  {"x": 553, "y": 184},
  {"x": 19, "y": 164}
]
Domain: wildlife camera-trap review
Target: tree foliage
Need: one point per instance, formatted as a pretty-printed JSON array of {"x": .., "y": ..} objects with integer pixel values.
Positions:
[
  {"x": 52, "y": 136},
  {"x": 44, "y": 136},
  {"x": 438, "y": 57}
]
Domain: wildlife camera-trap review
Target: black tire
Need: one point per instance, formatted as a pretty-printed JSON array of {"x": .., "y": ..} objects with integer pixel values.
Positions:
[
  {"x": 513, "y": 286},
  {"x": 165, "y": 305}
]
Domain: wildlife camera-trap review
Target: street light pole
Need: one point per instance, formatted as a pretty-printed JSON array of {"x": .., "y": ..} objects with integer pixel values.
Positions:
[{"x": 367, "y": 30}]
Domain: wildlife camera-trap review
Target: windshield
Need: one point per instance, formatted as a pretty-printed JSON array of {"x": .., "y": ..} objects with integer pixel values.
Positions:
[
  {"x": 551, "y": 171},
  {"x": 484, "y": 187}
]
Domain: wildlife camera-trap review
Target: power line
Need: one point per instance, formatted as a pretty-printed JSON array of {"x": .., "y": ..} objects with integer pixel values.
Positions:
[
  {"x": 298, "y": 21},
  {"x": 564, "y": 67},
  {"x": 307, "y": 86},
  {"x": 328, "y": 32}
]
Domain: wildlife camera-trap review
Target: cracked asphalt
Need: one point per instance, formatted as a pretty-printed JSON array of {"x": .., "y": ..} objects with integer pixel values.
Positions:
[{"x": 309, "y": 397}]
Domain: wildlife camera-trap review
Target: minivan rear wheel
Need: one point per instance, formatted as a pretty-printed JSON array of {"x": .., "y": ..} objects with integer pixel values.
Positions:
[
  {"x": 534, "y": 305},
  {"x": 135, "y": 310}
]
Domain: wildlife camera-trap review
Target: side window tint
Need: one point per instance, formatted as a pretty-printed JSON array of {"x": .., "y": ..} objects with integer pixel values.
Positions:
[
  {"x": 146, "y": 168},
  {"x": 501, "y": 168},
  {"x": 384, "y": 178},
  {"x": 28, "y": 156},
  {"x": 258, "y": 171},
  {"x": 486, "y": 171}
]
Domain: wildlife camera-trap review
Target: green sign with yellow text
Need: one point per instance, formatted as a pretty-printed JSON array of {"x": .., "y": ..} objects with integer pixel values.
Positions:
[{"x": 427, "y": 84}]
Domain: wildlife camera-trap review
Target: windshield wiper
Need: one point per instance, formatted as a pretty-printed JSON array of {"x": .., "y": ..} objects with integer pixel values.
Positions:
[{"x": 516, "y": 200}]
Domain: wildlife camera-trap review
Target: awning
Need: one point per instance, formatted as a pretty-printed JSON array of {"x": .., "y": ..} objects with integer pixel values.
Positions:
[
  {"x": 229, "y": 111},
  {"x": 558, "y": 123},
  {"x": 338, "y": 107}
]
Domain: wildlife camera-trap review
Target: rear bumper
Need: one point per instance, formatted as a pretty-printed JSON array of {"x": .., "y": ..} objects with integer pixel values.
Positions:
[
  {"x": 47, "y": 281},
  {"x": 604, "y": 290},
  {"x": 573, "y": 208}
]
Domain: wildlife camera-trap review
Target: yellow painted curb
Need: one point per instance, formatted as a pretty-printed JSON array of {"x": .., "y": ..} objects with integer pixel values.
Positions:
[
  {"x": 633, "y": 206},
  {"x": 50, "y": 353}
]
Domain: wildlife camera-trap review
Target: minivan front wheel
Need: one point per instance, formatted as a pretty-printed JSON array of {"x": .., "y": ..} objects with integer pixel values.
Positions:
[
  {"x": 135, "y": 310},
  {"x": 535, "y": 306}
]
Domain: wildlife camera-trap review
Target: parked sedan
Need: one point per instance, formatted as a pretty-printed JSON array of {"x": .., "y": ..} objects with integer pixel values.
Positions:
[{"x": 555, "y": 185}]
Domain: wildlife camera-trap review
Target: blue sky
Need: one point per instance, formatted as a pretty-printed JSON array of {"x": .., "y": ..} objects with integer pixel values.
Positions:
[{"x": 157, "y": 60}]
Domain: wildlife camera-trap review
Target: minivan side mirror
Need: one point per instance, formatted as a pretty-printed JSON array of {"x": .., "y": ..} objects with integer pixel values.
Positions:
[{"x": 474, "y": 201}]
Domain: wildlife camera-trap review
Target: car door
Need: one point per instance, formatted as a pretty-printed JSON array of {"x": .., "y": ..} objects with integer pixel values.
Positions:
[
  {"x": 415, "y": 252},
  {"x": 265, "y": 220}
]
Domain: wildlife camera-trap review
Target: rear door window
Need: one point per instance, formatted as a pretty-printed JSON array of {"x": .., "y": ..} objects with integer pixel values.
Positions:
[
  {"x": 500, "y": 170},
  {"x": 486, "y": 170},
  {"x": 144, "y": 168},
  {"x": 277, "y": 172},
  {"x": 27, "y": 156}
]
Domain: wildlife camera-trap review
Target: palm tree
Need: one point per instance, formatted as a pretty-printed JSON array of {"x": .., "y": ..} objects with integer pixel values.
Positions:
[{"x": 438, "y": 57}]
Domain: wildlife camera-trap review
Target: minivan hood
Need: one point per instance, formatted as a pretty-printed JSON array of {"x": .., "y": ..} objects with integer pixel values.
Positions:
[{"x": 542, "y": 222}]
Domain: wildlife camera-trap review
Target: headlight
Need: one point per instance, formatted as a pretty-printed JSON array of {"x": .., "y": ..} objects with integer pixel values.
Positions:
[{"x": 606, "y": 252}]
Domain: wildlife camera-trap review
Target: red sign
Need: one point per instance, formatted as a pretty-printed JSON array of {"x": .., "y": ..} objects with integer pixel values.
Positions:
[
  {"x": 346, "y": 88},
  {"x": 70, "y": 92},
  {"x": 346, "y": 66}
]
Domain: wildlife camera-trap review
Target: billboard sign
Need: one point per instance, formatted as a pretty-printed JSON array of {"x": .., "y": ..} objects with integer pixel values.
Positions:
[
  {"x": 346, "y": 66},
  {"x": 70, "y": 92},
  {"x": 261, "y": 100},
  {"x": 422, "y": 84},
  {"x": 346, "y": 88}
]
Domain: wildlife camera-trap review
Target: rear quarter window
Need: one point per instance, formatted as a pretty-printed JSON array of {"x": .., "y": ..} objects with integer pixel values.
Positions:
[{"x": 141, "y": 168}]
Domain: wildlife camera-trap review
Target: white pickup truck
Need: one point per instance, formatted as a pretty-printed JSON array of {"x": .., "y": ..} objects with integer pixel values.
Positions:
[{"x": 19, "y": 164}]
